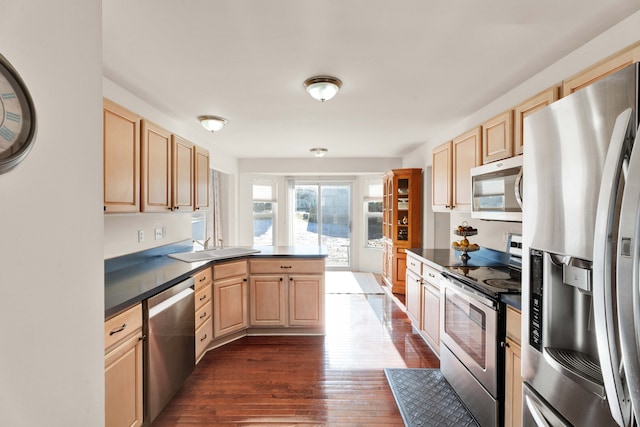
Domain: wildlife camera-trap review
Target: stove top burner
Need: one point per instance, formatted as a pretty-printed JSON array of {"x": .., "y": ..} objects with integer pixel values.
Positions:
[{"x": 491, "y": 281}]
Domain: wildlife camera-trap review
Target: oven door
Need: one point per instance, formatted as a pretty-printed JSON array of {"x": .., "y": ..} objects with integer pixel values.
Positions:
[{"x": 469, "y": 322}]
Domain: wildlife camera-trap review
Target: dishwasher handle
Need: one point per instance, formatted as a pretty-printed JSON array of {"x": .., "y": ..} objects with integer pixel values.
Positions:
[{"x": 170, "y": 297}]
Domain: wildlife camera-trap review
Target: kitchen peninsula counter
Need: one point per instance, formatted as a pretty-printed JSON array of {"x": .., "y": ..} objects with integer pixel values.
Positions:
[{"x": 132, "y": 278}]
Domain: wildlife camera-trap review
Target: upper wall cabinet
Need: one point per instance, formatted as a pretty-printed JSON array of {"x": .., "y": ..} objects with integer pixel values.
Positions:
[
  {"x": 602, "y": 69},
  {"x": 467, "y": 154},
  {"x": 497, "y": 138},
  {"x": 442, "y": 179},
  {"x": 182, "y": 160},
  {"x": 156, "y": 168},
  {"x": 201, "y": 177},
  {"x": 451, "y": 171},
  {"x": 121, "y": 159},
  {"x": 529, "y": 106}
]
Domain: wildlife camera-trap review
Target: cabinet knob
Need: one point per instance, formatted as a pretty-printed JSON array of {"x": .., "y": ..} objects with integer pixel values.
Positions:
[
  {"x": 281, "y": 279},
  {"x": 291, "y": 279},
  {"x": 504, "y": 344},
  {"x": 177, "y": 207}
]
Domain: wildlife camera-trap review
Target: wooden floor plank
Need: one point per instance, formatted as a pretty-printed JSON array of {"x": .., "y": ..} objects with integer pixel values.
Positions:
[{"x": 335, "y": 380}]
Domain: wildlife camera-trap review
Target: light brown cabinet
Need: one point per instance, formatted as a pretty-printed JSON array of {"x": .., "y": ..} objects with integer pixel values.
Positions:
[
  {"x": 513, "y": 370},
  {"x": 602, "y": 69},
  {"x": 430, "y": 327},
  {"x": 451, "y": 171},
  {"x": 413, "y": 295},
  {"x": 201, "y": 178},
  {"x": 156, "y": 168},
  {"x": 203, "y": 310},
  {"x": 286, "y": 292},
  {"x": 497, "y": 138},
  {"x": 230, "y": 298},
  {"x": 121, "y": 139},
  {"x": 442, "y": 177},
  {"x": 402, "y": 223},
  {"x": 527, "y": 107},
  {"x": 123, "y": 369},
  {"x": 182, "y": 173}
]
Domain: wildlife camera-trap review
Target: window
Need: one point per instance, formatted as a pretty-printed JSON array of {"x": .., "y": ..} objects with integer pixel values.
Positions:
[
  {"x": 373, "y": 214},
  {"x": 264, "y": 208}
]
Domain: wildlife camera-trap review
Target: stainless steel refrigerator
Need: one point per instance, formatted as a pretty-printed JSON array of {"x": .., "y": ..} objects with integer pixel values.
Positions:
[{"x": 580, "y": 278}]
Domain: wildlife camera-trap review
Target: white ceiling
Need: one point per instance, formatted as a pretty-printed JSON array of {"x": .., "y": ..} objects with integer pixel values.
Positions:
[{"x": 410, "y": 68}]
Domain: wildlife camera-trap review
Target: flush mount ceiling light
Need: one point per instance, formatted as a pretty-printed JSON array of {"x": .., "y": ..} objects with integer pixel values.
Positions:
[
  {"x": 318, "y": 152},
  {"x": 322, "y": 88},
  {"x": 212, "y": 123}
]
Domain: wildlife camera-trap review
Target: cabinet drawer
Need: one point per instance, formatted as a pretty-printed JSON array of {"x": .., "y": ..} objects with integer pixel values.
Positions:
[
  {"x": 514, "y": 321},
  {"x": 286, "y": 266},
  {"x": 122, "y": 326},
  {"x": 202, "y": 314},
  {"x": 414, "y": 265},
  {"x": 230, "y": 269},
  {"x": 203, "y": 336},
  {"x": 202, "y": 278},
  {"x": 203, "y": 296},
  {"x": 431, "y": 275}
]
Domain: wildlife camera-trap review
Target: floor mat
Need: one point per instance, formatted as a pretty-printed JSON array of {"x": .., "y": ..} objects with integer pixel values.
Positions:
[
  {"x": 425, "y": 399},
  {"x": 347, "y": 282}
]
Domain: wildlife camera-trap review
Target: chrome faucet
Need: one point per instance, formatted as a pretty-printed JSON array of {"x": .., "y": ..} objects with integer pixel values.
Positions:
[{"x": 205, "y": 244}]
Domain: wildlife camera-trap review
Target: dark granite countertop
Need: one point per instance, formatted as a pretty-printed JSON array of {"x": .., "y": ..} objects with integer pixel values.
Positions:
[
  {"x": 135, "y": 277},
  {"x": 439, "y": 258}
]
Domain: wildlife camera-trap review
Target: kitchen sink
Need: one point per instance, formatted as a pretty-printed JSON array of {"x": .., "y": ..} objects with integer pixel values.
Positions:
[{"x": 211, "y": 254}]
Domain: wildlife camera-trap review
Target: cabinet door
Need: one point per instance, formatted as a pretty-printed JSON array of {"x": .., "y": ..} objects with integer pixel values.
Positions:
[
  {"x": 602, "y": 69},
  {"x": 182, "y": 160},
  {"x": 513, "y": 385},
  {"x": 230, "y": 305},
  {"x": 431, "y": 316},
  {"x": 306, "y": 296},
  {"x": 123, "y": 384},
  {"x": 201, "y": 178},
  {"x": 497, "y": 138},
  {"x": 467, "y": 149},
  {"x": 267, "y": 300},
  {"x": 441, "y": 171},
  {"x": 121, "y": 141},
  {"x": 530, "y": 106},
  {"x": 412, "y": 297},
  {"x": 156, "y": 168}
]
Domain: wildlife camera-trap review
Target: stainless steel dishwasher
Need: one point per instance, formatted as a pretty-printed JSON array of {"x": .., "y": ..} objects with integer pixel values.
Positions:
[{"x": 170, "y": 347}]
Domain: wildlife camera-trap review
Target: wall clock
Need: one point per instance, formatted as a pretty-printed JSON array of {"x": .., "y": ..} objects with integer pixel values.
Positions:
[{"x": 17, "y": 118}]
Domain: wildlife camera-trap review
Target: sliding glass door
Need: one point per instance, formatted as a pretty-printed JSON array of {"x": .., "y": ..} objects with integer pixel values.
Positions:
[{"x": 322, "y": 216}]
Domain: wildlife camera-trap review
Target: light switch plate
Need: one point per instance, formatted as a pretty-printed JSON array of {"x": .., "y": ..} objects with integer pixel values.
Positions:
[{"x": 140, "y": 236}]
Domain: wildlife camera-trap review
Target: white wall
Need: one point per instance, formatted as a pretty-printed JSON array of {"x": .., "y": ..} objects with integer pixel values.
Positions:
[
  {"x": 51, "y": 265},
  {"x": 491, "y": 233}
]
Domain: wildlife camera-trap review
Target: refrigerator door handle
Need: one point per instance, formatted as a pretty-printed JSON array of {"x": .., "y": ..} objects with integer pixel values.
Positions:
[
  {"x": 628, "y": 277},
  {"x": 603, "y": 304},
  {"x": 535, "y": 413}
]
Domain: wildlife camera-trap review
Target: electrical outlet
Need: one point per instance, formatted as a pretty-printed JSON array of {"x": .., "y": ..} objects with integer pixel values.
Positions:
[
  {"x": 164, "y": 232},
  {"x": 140, "y": 236},
  {"x": 158, "y": 233}
]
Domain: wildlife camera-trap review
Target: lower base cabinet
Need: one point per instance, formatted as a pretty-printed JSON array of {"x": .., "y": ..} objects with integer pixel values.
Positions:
[
  {"x": 513, "y": 373},
  {"x": 123, "y": 369},
  {"x": 286, "y": 292},
  {"x": 230, "y": 298}
]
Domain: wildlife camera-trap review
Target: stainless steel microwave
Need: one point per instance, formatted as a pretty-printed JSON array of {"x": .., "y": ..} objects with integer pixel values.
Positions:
[{"x": 497, "y": 190}]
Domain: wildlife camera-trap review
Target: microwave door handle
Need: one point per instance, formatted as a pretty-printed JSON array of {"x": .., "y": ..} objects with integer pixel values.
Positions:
[
  {"x": 518, "y": 188},
  {"x": 628, "y": 277},
  {"x": 602, "y": 273}
]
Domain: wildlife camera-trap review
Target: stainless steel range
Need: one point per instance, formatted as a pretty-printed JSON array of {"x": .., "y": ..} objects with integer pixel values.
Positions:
[{"x": 473, "y": 335}]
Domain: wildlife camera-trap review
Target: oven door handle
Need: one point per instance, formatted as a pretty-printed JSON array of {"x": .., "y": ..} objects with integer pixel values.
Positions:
[{"x": 468, "y": 295}]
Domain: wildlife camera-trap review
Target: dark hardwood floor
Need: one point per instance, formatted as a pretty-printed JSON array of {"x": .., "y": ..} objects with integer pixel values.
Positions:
[{"x": 335, "y": 380}]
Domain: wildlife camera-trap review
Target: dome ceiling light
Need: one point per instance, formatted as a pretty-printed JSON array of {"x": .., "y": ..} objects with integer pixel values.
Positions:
[
  {"x": 318, "y": 152},
  {"x": 212, "y": 123},
  {"x": 322, "y": 88}
]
